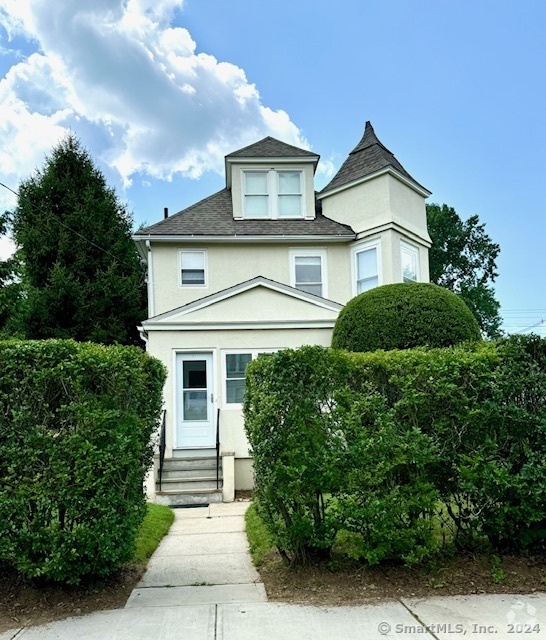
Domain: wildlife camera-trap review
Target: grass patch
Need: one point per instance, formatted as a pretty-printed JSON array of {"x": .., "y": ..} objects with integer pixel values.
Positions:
[
  {"x": 155, "y": 526},
  {"x": 259, "y": 539}
]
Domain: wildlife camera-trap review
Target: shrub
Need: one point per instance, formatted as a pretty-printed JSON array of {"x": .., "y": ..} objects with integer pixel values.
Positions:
[
  {"x": 387, "y": 493},
  {"x": 76, "y": 422},
  {"x": 507, "y": 478},
  {"x": 389, "y": 444},
  {"x": 327, "y": 456},
  {"x": 292, "y": 426},
  {"x": 402, "y": 316}
]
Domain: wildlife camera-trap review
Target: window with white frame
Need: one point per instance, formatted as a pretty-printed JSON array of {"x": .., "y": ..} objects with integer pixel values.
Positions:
[
  {"x": 193, "y": 268},
  {"x": 256, "y": 198},
  {"x": 367, "y": 268},
  {"x": 410, "y": 262},
  {"x": 289, "y": 194},
  {"x": 235, "y": 364},
  {"x": 308, "y": 271},
  {"x": 273, "y": 194}
]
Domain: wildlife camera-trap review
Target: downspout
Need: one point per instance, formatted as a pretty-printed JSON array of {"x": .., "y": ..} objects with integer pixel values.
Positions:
[
  {"x": 144, "y": 336},
  {"x": 151, "y": 306}
]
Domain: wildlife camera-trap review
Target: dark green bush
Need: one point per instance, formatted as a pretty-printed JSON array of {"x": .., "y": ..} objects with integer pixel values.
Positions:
[
  {"x": 403, "y": 316},
  {"x": 76, "y": 421},
  {"x": 507, "y": 477},
  {"x": 386, "y": 492},
  {"x": 292, "y": 424},
  {"x": 393, "y": 445},
  {"x": 327, "y": 456}
]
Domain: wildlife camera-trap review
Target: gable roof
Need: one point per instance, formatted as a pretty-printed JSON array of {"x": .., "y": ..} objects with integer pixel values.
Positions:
[
  {"x": 271, "y": 148},
  {"x": 299, "y": 308},
  {"x": 213, "y": 217},
  {"x": 368, "y": 157}
]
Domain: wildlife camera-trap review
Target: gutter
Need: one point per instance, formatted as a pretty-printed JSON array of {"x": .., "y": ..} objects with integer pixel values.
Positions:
[
  {"x": 144, "y": 336},
  {"x": 235, "y": 238}
]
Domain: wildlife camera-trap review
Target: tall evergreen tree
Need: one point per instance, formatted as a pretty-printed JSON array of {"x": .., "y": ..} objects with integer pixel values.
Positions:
[
  {"x": 82, "y": 276},
  {"x": 463, "y": 259}
]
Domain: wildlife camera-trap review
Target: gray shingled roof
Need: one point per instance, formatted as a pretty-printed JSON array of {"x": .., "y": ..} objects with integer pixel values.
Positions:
[
  {"x": 271, "y": 148},
  {"x": 369, "y": 156},
  {"x": 213, "y": 216}
]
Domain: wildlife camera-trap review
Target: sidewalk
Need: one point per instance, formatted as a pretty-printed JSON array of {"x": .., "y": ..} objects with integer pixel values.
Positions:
[
  {"x": 201, "y": 585},
  {"x": 203, "y": 560}
]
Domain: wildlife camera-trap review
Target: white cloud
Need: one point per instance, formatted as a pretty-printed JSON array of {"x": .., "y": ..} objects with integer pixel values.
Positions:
[
  {"x": 124, "y": 68},
  {"x": 326, "y": 168},
  {"x": 7, "y": 247}
]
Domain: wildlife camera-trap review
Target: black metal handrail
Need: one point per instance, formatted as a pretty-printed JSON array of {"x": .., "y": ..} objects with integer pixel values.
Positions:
[
  {"x": 162, "y": 447},
  {"x": 218, "y": 449}
]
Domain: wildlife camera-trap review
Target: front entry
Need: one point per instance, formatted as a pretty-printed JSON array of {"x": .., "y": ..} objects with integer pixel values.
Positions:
[{"x": 195, "y": 401}]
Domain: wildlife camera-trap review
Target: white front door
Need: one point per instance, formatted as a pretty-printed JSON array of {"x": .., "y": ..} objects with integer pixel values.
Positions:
[{"x": 195, "y": 400}]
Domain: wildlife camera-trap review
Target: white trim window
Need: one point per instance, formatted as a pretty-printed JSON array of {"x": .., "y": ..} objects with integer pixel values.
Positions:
[
  {"x": 308, "y": 271},
  {"x": 234, "y": 374},
  {"x": 409, "y": 256},
  {"x": 367, "y": 272},
  {"x": 193, "y": 268},
  {"x": 290, "y": 195},
  {"x": 256, "y": 194},
  {"x": 273, "y": 194}
]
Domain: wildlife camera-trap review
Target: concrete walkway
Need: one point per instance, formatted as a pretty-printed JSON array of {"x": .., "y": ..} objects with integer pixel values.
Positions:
[
  {"x": 203, "y": 560},
  {"x": 201, "y": 585}
]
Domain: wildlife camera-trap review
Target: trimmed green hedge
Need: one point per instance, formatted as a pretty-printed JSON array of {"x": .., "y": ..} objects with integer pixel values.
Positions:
[
  {"x": 403, "y": 316},
  {"x": 76, "y": 422},
  {"x": 392, "y": 445}
]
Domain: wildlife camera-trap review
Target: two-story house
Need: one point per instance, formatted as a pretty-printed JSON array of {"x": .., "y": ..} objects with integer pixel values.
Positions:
[{"x": 264, "y": 264}]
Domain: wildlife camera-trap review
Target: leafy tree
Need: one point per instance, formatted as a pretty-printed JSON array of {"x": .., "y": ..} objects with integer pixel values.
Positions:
[
  {"x": 82, "y": 275},
  {"x": 463, "y": 259}
]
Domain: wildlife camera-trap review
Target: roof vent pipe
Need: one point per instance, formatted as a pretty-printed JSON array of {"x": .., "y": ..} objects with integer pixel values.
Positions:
[{"x": 166, "y": 212}]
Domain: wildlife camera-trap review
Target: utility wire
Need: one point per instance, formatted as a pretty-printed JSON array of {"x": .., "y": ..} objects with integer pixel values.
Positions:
[{"x": 540, "y": 323}]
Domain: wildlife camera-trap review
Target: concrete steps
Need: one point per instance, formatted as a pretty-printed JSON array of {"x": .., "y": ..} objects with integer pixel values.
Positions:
[{"x": 189, "y": 481}]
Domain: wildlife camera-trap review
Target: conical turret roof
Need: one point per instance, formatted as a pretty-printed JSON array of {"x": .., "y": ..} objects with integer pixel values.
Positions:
[{"x": 368, "y": 157}]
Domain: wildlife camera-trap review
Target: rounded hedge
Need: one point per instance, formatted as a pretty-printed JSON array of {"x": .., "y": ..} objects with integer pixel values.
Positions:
[{"x": 403, "y": 316}]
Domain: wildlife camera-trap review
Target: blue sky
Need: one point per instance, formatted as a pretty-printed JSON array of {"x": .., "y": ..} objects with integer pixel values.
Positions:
[{"x": 160, "y": 90}]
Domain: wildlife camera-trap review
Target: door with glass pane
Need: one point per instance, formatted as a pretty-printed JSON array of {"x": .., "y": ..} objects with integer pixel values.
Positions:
[{"x": 195, "y": 400}]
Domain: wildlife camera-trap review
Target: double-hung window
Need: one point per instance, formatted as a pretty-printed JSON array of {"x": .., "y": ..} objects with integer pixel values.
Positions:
[
  {"x": 410, "y": 262},
  {"x": 273, "y": 194},
  {"x": 235, "y": 364},
  {"x": 289, "y": 194},
  {"x": 193, "y": 268},
  {"x": 308, "y": 270},
  {"x": 366, "y": 267},
  {"x": 256, "y": 200}
]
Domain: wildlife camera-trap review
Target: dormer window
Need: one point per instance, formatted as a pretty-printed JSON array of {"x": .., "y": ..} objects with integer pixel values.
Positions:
[
  {"x": 256, "y": 194},
  {"x": 273, "y": 194},
  {"x": 289, "y": 194}
]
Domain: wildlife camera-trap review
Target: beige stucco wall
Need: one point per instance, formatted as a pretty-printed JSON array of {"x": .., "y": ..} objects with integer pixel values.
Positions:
[
  {"x": 244, "y": 474},
  {"x": 363, "y": 206},
  {"x": 230, "y": 264},
  {"x": 237, "y": 182},
  {"x": 376, "y": 202},
  {"x": 408, "y": 208},
  {"x": 259, "y": 304},
  {"x": 165, "y": 344}
]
